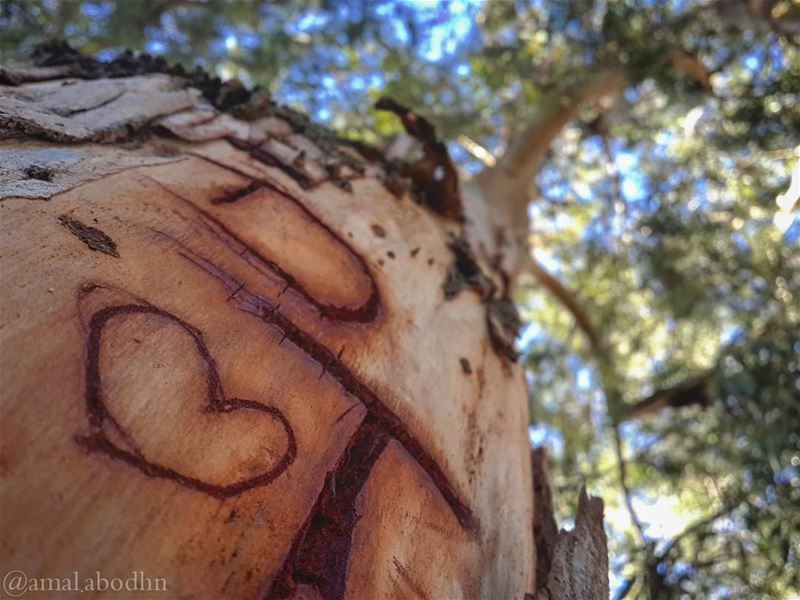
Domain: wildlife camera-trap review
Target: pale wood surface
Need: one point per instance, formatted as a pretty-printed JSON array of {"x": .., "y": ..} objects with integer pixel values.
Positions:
[{"x": 144, "y": 394}]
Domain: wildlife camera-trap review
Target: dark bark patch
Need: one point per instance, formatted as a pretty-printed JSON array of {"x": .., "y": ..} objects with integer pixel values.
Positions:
[
  {"x": 334, "y": 171},
  {"x": 39, "y": 172},
  {"x": 434, "y": 177},
  {"x": 237, "y": 194},
  {"x": 378, "y": 230},
  {"x": 414, "y": 252},
  {"x": 465, "y": 366},
  {"x": 503, "y": 322},
  {"x": 259, "y": 152},
  {"x": 465, "y": 273},
  {"x": 320, "y": 552},
  {"x": 91, "y": 236}
]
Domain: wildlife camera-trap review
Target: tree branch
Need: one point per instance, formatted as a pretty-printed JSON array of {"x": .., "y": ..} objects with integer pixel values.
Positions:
[
  {"x": 505, "y": 187},
  {"x": 476, "y": 150},
  {"x": 521, "y": 161},
  {"x": 695, "y": 527},
  {"x": 566, "y": 298},
  {"x": 686, "y": 393},
  {"x": 623, "y": 483}
]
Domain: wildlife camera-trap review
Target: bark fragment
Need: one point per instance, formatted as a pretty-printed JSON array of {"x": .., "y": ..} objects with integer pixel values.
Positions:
[
  {"x": 39, "y": 170},
  {"x": 135, "y": 96},
  {"x": 465, "y": 366},
  {"x": 465, "y": 273},
  {"x": 91, "y": 236},
  {"x": 222, "y": 95},
  {"x": 545, "y": 530},
  {"x": 579, "y": 568},
  {"x": 502, "y": 319},
  {"x": 434, "y": 175},
  {"x": 105, "y": 110},
  {"x": 504, "y": 324}
]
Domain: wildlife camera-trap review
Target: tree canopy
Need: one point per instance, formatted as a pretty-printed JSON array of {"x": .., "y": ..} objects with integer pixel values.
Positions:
[{"x": 662, "y": 335}]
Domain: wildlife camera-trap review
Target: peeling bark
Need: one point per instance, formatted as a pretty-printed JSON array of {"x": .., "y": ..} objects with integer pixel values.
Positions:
[
  {"x": 91, "y": 236},
  {"x": 434, "y": 175}
]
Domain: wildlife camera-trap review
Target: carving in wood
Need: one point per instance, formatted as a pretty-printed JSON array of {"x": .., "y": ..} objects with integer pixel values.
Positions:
[{"x": 319, "y": 554}]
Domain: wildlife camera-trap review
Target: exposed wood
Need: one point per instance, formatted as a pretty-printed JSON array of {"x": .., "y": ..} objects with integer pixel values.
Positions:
[
  {"x": 579, "y": 568},
  {"x": 545, "y": 530},
  {"x": 568, "y": 564},
  {"x": 228, "y": 361}
]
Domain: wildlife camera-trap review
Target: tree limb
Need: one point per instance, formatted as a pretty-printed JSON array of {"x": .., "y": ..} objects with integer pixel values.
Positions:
[
  {"x": 505, "y": 187},
  {"x": 476, "y": 150},
  {"x": 524, "y": 155},
  {"x": 623, "y": 483},
  {"x": 693, "y": 528},
  {"x": 686, "y": 393},
  {"x": 566, "y": 298}
]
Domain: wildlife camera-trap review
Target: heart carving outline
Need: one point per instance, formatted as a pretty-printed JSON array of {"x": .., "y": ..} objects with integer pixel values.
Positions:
[{"x": 97, "y": 439}]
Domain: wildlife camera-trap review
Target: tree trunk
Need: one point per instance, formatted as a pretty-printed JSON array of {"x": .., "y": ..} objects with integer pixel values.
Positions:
[{"x": 239, "y": 359}]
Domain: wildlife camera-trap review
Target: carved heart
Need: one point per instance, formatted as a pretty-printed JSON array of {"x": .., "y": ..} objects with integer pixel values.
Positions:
[{"x": 177, "y": 423}]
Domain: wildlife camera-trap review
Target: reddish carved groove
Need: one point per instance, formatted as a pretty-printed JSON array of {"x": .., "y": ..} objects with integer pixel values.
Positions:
[
  {"x": 236, "y": 194},
  {"x": 365, "y": 313},
  {"x": 321, "y": 550},
  {"x": 332, "y": 365},
  {"x": 99, "y": 414}
]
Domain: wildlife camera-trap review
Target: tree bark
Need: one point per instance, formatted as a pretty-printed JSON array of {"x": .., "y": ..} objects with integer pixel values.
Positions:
[{"x": 242, "y": 357}]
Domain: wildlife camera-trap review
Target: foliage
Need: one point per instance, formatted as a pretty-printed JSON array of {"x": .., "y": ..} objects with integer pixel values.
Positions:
[{"x": 659, "y": 210}]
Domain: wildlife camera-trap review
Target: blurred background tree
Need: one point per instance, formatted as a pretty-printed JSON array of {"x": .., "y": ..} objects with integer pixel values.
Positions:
[{"x": 662, "y": 309}]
